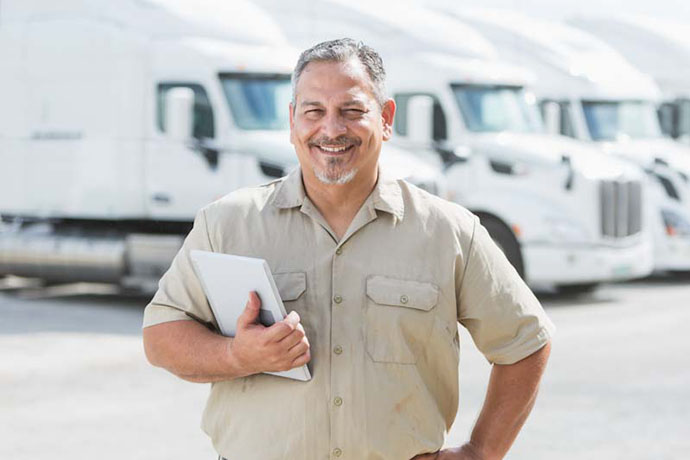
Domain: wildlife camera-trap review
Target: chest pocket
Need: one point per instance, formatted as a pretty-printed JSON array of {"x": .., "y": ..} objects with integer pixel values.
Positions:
[
  {"x": 292, "y": 287},
  {"x": 399, "y": 318}
]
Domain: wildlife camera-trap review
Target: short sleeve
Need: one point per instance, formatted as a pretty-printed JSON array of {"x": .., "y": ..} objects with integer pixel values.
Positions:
[
  {"x": 180, "y": 295},
  {"x": 504, "y": 318}
]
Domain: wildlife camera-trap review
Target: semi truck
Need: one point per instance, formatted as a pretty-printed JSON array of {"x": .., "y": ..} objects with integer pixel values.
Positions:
[
  {"x": 659, "y": 48},
  {"x": 564, "y": 214},
  {"x": 120, "y": 120},
  {"x": 588, "y": 91}
]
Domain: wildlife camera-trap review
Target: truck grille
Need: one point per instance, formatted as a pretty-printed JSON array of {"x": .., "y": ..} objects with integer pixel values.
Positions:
[{"x": 621, "y": 208}]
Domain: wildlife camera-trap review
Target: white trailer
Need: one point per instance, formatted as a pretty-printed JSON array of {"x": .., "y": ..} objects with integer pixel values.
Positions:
[
  {"x": 588, "y": 91},
  {"x": 564, "y": 214},
  {"x": 119, "y": 120},
  {"x": 659, "y": 48}
]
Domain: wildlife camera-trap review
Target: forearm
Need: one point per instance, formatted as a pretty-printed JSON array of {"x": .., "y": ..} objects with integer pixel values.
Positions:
[
  {"x": 190, "y": 351},
  {"x": 510, "y": 397}
]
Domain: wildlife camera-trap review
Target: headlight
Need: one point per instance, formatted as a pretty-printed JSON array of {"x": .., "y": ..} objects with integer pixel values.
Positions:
[
  {"x": 562, "y": 229},
  {"x": 675, "y": 224}
]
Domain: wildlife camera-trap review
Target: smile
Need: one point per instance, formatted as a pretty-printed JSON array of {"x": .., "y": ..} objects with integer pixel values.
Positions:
[{"x": 334, "y": 149}]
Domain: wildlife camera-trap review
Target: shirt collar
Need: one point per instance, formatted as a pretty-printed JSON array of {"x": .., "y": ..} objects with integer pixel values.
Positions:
[
  {"x": 386, "y": 196},
  {"x": 289, "y": 192}
]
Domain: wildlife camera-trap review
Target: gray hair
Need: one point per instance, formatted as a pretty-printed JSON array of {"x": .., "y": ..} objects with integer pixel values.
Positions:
[{"x": 342, "y": 50}]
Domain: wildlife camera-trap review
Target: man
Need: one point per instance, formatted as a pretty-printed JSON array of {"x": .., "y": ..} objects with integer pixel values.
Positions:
[{"x": 376, "y": 272}]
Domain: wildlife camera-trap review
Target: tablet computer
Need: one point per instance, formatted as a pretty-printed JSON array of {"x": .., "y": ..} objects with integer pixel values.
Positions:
[{"x": 227, "y": 280}]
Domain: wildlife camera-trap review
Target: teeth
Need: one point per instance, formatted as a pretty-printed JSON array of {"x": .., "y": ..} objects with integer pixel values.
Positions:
[{"x": 334, "y": 149}]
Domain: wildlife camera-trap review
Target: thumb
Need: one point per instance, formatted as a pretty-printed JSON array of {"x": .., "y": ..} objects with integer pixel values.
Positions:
[{"x": 251, "y": 312}]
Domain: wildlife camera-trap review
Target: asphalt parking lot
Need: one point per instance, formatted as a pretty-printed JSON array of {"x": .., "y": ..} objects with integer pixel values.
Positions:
[{"x": 74, "y": 383}]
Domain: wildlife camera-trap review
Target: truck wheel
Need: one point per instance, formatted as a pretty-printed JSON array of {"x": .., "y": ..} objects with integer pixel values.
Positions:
[
  {"x": 577, "y": 289},
  {"x": 505, "y": 239}
]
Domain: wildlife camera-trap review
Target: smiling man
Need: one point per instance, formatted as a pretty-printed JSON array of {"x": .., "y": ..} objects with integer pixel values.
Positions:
[{"x": 377, "y": 274}]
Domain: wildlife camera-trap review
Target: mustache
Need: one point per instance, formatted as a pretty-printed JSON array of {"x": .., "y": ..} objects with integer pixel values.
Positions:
[{"x": 339, "y": 141}]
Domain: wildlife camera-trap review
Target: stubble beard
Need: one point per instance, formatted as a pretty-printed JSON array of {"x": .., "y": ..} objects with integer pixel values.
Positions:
[{"x": 334, "y": 173}]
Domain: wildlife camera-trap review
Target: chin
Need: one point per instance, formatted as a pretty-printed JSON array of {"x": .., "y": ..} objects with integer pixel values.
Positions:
[{"x": 335, "y": 177}]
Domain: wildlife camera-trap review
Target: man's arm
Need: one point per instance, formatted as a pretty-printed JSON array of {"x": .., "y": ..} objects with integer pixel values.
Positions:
[
  {"x": 510, "y": 397},
  {"x": 192, "y": 352}
]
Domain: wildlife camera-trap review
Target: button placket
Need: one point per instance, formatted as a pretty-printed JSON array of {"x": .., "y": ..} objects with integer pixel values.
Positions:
[{"x": 338, "y": 371}]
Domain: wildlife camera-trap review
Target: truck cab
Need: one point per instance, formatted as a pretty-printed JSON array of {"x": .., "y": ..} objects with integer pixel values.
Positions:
[
  {"x": 588, "y": 91},
  {"x": 563, "y": 213}
]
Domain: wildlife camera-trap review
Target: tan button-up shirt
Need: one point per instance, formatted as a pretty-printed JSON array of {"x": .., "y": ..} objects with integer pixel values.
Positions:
[{"x": 380, "y": 308}]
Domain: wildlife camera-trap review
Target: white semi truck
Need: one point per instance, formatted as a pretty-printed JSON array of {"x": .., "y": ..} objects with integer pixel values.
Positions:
[
  {"x": 659, "y": 48},
  {"x": 588, "y": 91},
  {"x": 563, "y": 213},
  {"x": 119, "y": 120}
]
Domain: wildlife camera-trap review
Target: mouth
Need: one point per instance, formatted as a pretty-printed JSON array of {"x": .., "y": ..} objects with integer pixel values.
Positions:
[{"x": 335, "y": 150}]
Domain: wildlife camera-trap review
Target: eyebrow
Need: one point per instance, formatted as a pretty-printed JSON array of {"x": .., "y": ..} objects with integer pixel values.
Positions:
[
  {"x": 311, "y": 103},
  {"x": 354, "y": 102},
  {"x": 350, "y": 103}
]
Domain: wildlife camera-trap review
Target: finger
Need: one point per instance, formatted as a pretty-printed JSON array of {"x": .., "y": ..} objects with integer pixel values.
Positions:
[
  {"x": 298, "y": 350},
  {"x": 293, "y": 338},
  {"x": 301, "y": 360},
  {"x": 292, "y": 318},
  {"x": 250, "y": 314},
  {"x": 282, "y": 329}
]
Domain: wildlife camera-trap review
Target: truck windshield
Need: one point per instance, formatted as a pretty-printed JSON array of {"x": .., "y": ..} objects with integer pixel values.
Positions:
[
  {"x": 489, "y": 108},
  {"x": 617, "y": 120},
  {"x": 258, "y": 101}
]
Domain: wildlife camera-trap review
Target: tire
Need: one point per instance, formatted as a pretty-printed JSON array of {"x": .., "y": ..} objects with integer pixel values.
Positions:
[
  {"x": 506, "y": 241},
  {"x": 577, "y": 289}
]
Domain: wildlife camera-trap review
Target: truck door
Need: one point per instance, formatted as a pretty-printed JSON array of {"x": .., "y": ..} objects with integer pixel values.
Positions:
[{"x": 181, "y": 176}]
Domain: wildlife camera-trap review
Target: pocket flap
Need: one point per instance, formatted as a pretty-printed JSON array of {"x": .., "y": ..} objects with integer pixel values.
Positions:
[
  {"x": 290, "y": 285},
  {"x": 402, "y": 293}
]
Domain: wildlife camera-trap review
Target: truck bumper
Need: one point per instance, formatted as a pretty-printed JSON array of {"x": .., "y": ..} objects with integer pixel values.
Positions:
[
  {"x": 574, "y": 264},
  {"x": 672, "y": 253}
]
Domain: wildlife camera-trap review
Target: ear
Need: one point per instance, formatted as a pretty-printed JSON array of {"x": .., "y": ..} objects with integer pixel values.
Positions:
[
  {"x": 387, "y": 116},
  {"x": 292, "y": 122}
]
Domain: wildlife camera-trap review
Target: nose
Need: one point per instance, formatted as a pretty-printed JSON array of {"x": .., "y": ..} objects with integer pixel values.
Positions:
[{"x": 333, "y": 126}]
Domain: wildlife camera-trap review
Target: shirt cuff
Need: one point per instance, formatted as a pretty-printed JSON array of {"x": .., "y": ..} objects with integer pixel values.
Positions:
[
  {"x": 541, "y": 338},
  {"x": 157, "y": 314}
]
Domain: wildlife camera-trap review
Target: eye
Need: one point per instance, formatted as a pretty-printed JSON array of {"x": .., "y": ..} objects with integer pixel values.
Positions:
[{"x": 353, "y": 113}]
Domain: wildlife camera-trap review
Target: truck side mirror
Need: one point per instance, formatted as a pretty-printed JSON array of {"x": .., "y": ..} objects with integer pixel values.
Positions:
[
  {"x": 552, "y": 117},
  {"x": 179, "y": 113},
  {"x": 420, "y": 119}
]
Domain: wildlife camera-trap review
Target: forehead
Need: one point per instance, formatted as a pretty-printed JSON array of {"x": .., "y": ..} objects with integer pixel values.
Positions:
[{"x": 339, "y": 80}]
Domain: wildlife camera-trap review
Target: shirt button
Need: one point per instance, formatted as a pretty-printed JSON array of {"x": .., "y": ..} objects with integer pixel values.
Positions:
[
  {"x": 337, "y": 299},
  {"x": 339, "y": 251},
  {"x": 403, "y": 299},
  {"x": 337, "y": 452},
  {"x": 338, "y": 401},
  {"x": 337, "y": 349}
]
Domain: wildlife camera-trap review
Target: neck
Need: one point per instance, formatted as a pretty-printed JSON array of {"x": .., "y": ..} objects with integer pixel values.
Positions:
[{"x": 338, "y": 204}]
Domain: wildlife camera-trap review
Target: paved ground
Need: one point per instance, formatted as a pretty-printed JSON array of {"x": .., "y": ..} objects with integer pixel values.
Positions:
[{"x": 74, "y": 383}]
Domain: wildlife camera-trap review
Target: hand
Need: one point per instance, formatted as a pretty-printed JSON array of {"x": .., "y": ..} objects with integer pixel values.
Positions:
[
  {"x": 465, "y": 452},
  {"x": 279, "y": 347}
]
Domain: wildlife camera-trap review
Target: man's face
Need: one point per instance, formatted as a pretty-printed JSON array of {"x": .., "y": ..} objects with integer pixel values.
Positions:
[{"x": 336, "y": 125}]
